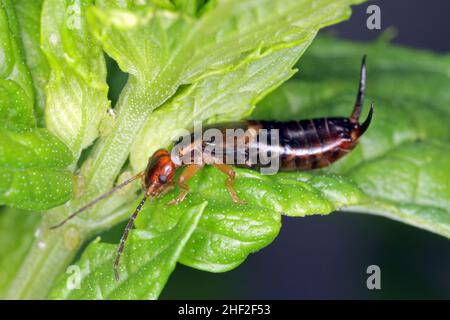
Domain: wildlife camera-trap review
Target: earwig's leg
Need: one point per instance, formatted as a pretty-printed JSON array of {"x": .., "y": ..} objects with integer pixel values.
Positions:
[
  {"x": 187, "y": 174},
  {"x": 361, "y": 90},
  {"x": 228, "y": 170}
]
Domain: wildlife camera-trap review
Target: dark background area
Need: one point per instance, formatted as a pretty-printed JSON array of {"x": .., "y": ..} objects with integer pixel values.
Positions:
[{"x": 327, "y": 257}]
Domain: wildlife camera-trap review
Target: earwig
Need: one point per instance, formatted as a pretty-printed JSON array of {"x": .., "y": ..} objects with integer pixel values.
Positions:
[{"x": 303, "y": 145}]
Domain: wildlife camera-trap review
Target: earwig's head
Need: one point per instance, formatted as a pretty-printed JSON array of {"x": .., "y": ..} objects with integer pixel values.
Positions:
[{"x": 159, "y": 174}]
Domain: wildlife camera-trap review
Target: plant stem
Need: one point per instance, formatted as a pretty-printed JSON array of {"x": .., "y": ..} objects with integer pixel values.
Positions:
[{"x": 50, "y": 253}]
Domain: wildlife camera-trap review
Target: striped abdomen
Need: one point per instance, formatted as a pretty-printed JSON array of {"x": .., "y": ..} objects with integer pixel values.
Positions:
[
  {"x": 298, "y": 145},
  {"x": 311, "y": 144}
]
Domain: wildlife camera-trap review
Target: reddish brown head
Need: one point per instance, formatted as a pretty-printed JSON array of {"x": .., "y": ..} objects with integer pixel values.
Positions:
[{"x": 159, "y": 174}]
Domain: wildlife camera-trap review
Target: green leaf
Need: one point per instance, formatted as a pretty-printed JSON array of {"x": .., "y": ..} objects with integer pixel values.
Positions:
[
  {"x": 32, "y": 161},
  {"x": 29, "y": 17},
  {"x": 146, "y": 265},
  {"x": 17, "y": 232},
  {"x": 228, "y": 233},
  {"x": 403, "y": 159},
  {"x": 15, "y": 107},
  {"x": 16, "y": 91},
  {"x": 410, "y": 183},
  {"x": 77, "y": 91},
  {"x": 32, "y": 170}
]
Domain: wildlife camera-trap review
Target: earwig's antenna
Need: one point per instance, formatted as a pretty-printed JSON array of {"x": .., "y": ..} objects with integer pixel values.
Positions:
[
  {"x": 361, "y": 90},
  {"x": 125, "y": 236},
  {"x": 92, "y": 203},
  {"x": 366, "y": 123}
]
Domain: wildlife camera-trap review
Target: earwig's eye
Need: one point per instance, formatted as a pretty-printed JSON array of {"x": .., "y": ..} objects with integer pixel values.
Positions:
[{"x": 162, "y": 178}]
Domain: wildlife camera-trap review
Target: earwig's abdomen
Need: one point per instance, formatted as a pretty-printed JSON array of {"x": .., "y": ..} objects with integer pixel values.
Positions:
[
  {"x": 312, "y": 144},
  {"x": 298, "y": 145}
]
